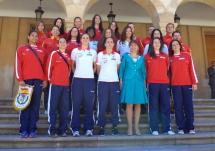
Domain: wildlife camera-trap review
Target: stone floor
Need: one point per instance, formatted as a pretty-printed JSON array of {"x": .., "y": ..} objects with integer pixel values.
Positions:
[{"x": 207, "y": 147}]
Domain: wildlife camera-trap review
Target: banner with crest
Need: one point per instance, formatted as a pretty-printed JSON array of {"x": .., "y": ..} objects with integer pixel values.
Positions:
[{"x": 23, "y": 97}]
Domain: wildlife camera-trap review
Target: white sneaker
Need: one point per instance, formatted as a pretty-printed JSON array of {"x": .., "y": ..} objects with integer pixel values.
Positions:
[
  {"x": 89, "y": 133},
  {"x": 192, "y": 132},
  {"x": 181, "y": 132},
  {"x": 76, "y": 134},
  {"x": 46, "y": 112},
  {"x": 155, "y": 133},
  {"x": 170, "y": 132}
]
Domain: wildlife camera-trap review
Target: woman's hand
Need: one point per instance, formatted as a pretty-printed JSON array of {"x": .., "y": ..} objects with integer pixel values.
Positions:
[
  {"x": 120, "y": 83},
  {"x": 22, "y": 83},
  {"x": 194, "y": 87},
  {"x": 44, "y": 84}
]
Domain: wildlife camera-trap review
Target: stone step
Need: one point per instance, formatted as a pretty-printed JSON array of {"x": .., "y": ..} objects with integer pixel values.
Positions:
[
  {"x": 9, "y": 101},
  {"x": 14, "y": 118},
  {"x": 10, "y": 129},
  {"x": 44, "y": 141},
  {"x": 197, "y": 108}
]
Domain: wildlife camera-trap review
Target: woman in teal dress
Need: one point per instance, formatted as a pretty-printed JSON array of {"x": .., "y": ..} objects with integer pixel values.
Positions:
[{"x": 132, "y": 79}]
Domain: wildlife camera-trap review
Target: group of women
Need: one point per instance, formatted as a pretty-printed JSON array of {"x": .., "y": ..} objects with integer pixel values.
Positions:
[{"x": 75, "y": 67}]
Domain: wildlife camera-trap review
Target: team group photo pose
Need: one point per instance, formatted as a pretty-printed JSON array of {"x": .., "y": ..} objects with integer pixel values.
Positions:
[{"x": 93, "y": 76}]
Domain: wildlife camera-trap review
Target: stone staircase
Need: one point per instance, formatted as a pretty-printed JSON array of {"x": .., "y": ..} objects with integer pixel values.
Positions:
[{"x": 204, "y": 124}]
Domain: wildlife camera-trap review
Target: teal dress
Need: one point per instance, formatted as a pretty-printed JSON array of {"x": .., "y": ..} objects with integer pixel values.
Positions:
[{"x": 133, "y": 75}]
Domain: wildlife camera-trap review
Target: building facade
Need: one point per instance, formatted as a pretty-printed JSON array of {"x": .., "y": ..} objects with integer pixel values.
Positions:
[{"x": 197, "y": 27}]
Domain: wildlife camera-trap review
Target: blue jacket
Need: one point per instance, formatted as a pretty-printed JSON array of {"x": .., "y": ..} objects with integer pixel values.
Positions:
[{"x": 130, "y": 69}]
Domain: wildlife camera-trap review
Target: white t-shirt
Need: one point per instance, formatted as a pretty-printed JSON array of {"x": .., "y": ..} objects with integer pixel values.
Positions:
[
  {"x": 108, "y": 67},
  {"x": 84, "y": 60}
]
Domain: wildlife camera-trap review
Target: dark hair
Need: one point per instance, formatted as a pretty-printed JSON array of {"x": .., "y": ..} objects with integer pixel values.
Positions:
[
  {"x": 39, "y": 22},
  {"x": 61, "y": 29},
  {"x": 171, "y": 51},
  {"x": 100, "y": 24},
  {"x": 69, "y": 37},
  {"x": 89, "y": 29},
  {"x": 135, "y": 42},
  {"x": 151, "y": 48},
  {"x": 116, "y": 32},
  {"x": 31, "y": 31},
  {"x": 77, "y": 18},
  {"x": 123, "y": 36},
  {"x": 176, "y": 32},
  {"x": 170, "y": 24},
  {"x": 161, "y": 35},
  {"x": 102, "y": 41},
  {"x": 130, "y": 23},
  {"x": 105, "y": 40}
]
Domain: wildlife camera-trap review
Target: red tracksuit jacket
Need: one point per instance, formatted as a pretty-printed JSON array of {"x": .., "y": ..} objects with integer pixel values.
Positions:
[
  {"x": 41, "y": 38},
  {"x": 186, "y": 48},
  {"x": 27, "y": 66},
  {"x": 81, "y": 31},
  {"x": 50, "y": 44},
  {"x": 70, "y": 46},
  {"x": 98, "y": 34},
  {"x": 182, "y": 69},
  {"x": 57, "y": 70},
  {"x": 167, "y": 39},
  {"x": 157, "y": 68},
  {"x": 146, "y": 41}
]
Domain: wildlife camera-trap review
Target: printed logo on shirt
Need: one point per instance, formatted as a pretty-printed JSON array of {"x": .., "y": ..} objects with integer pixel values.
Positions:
[
  {"x": 38, "y": 50},
  {"x": 113, "y": 58},
  {"x": 162, "y": 57},
  {"x": 89, "y": 54},
  {"x": 79, "y": 55},
  {"x": 104, "y": 60},
  {"x": 181, "y": 58}
]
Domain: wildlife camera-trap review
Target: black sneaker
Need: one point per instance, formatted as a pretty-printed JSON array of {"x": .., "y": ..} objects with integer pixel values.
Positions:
[
  {"x": 115, "y": 131},
  {"x": 101, "y": 131},
  {"x": 63, "y": 134},
  {"x": 52, "y": 134}
]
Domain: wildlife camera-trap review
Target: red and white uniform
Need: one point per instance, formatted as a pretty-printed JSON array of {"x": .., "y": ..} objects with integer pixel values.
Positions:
[
  {"x": 157, "y": 68},
  {"x": 81, "y": 31},
  {"x": 98, "y": 34},
  {"x": 57, "y": 70},
  {"x": 182, "y": 69},
  {"x": 84, "y": 59},
  {"x": 50, "y": 44},
  {"x": 71, "y": 45},
  {"x": 139, "y": 43},
  {"x": 64, "y": 35},
  {"x": 108, "y": 66},
  {"x": 146, "y": 41},
  {"x": 167, "y": 39},
  {"x": 41, "y": 38},
  {"x": 186, "y": 48},
  {"x": 27, "y": 66}
]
